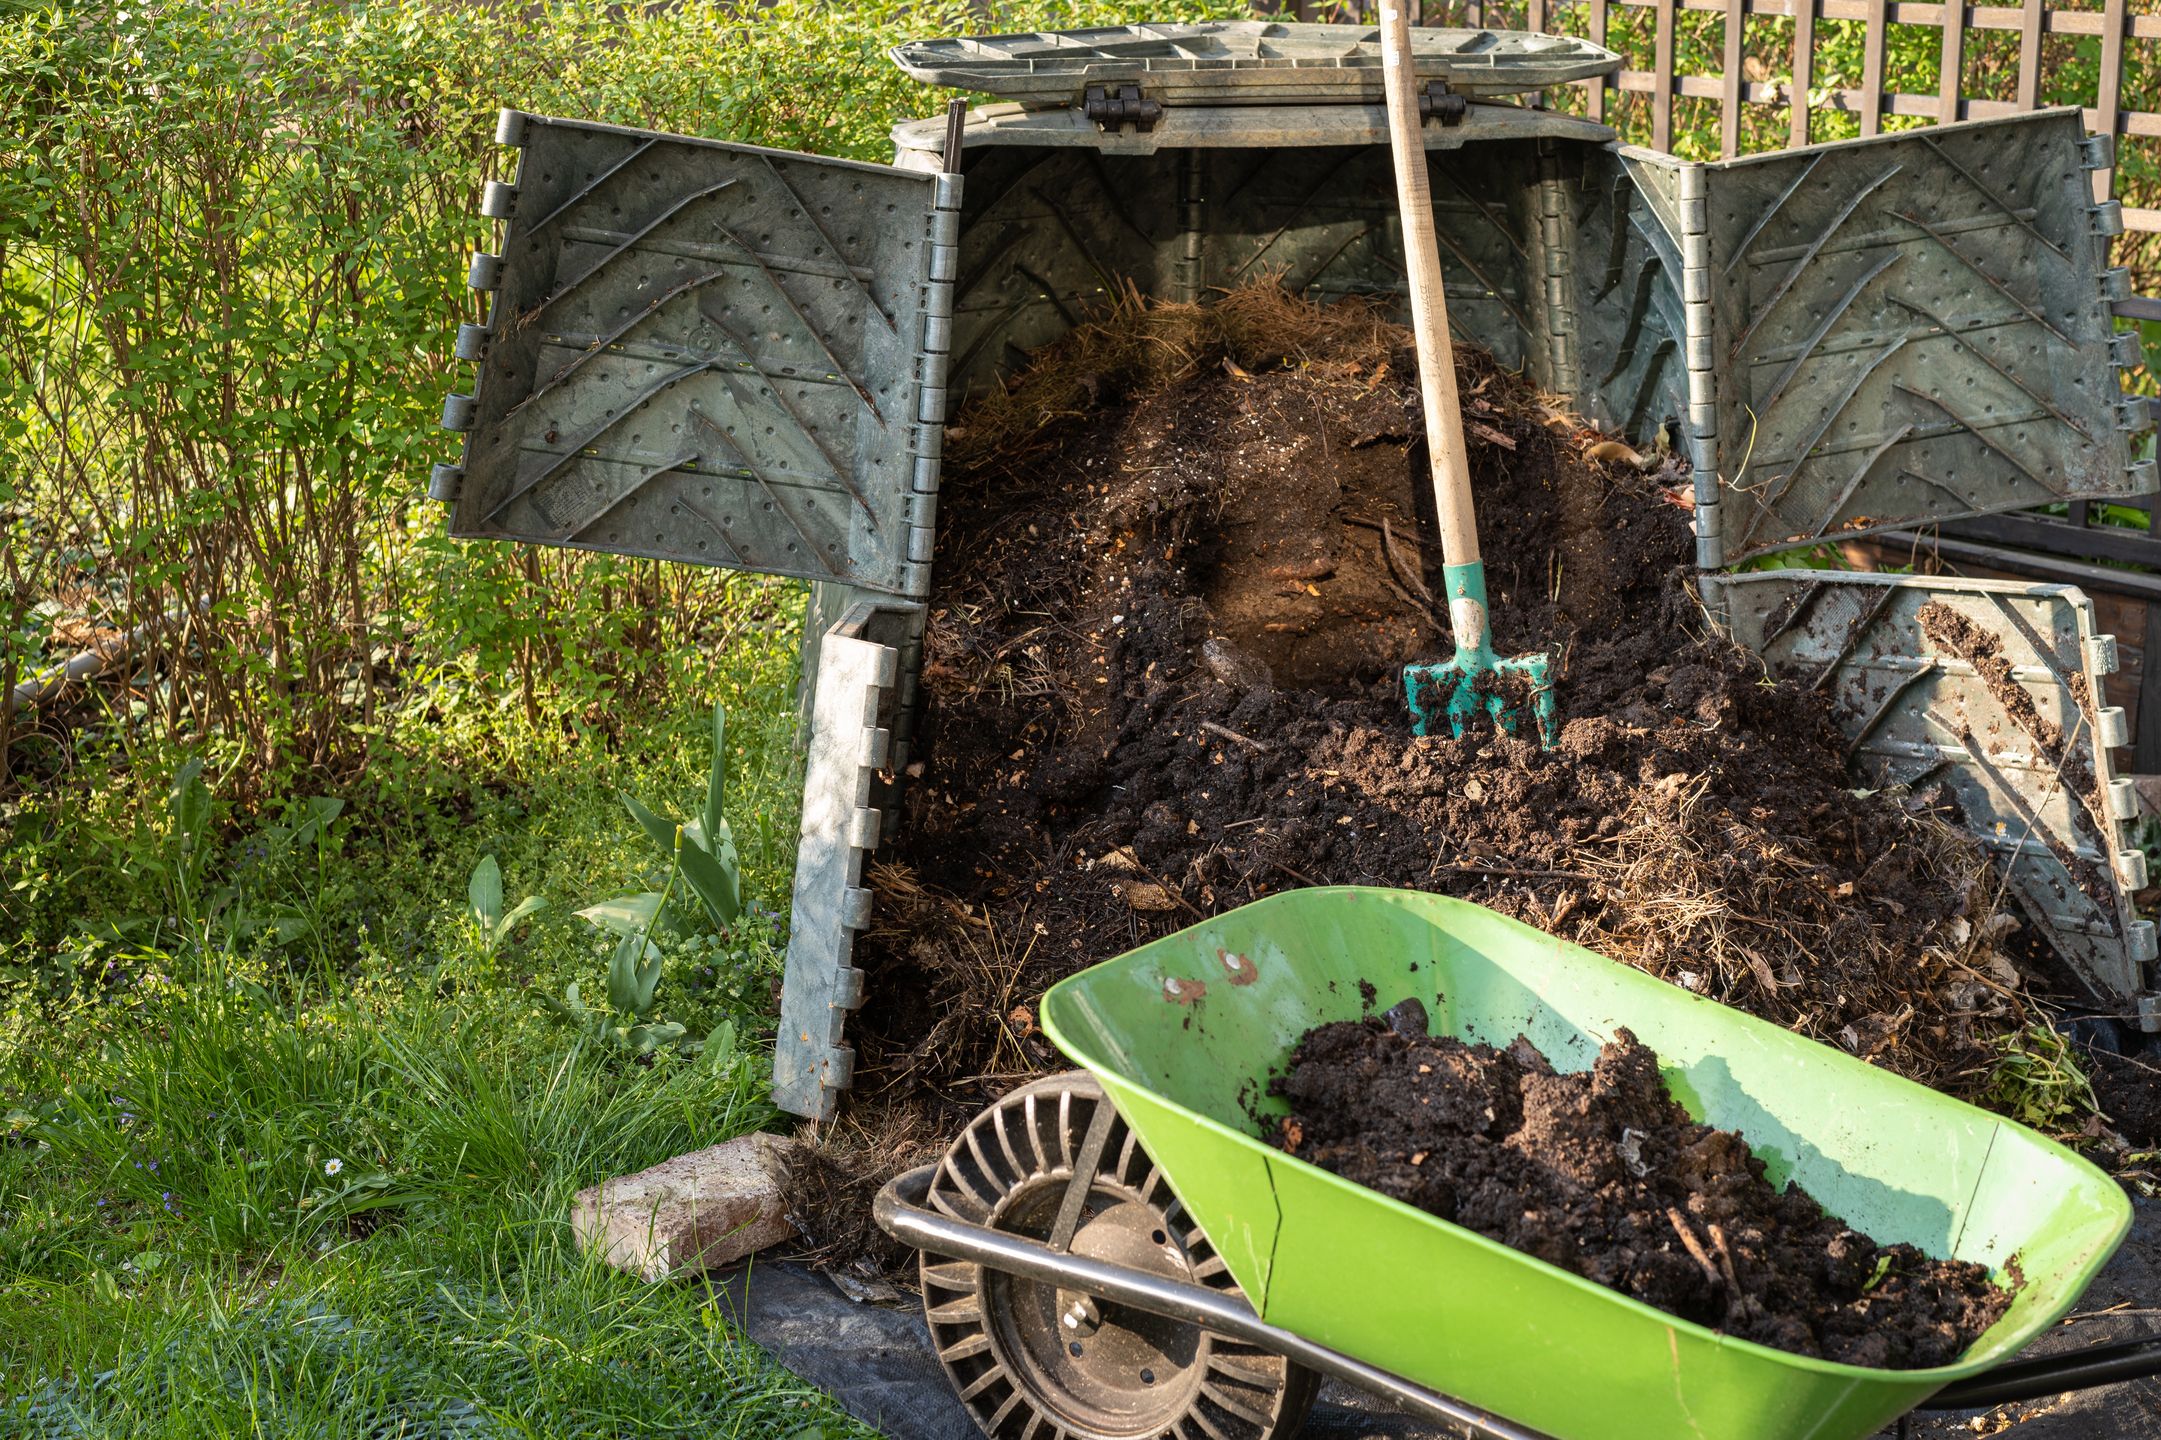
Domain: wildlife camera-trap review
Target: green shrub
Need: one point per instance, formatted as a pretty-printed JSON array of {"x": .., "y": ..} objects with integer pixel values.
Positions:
[{"x": 233, "y": 241}]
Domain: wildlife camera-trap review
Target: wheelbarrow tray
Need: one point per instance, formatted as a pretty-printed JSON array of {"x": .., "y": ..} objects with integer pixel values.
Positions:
[{"x": 1185, "y": 1032}]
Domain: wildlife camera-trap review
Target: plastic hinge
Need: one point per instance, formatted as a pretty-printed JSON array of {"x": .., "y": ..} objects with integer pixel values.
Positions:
[
  {"x": 443, "y": 483},
  {"x": 855, "y": 907},
  {"x": 875, "y": 743},
  {"x": 945, "y": 194},
  {"x": 2125, "y": 350},
  {"x": 944, "y": 264},
  {"x": 457, "y": 412},
  {"x": 2134, "y": 414},
  {"x": 2115, "y": 284},
  {"x": 848, "y": 995},
  {"x": 2101, "y": 657},
  {"x": 924, "y": 479},
  {"x": 863, "y": 829},
  {"x": 2112, "y": 727},
  {"x": 1710, "y": 544},
  {"x": 2123, "y": 799},
  {"x": 2108, "y": 218},
  {"x": 510, "y": 127},
  {"x": 937, "y": 335},
  {"x": 2131, "y": 869},
  {"x": 2145, "y": 476},
  {"x": 2139, "y": 940},
  {"x": 2097, "y": 152},
  {"x": 486, "y": 271},
  {"x": 930, "y": 407},
  {"x": 497, "y": 200},
  {"x": 472, "y": 342},
  {"x": 921, "y": 538}
]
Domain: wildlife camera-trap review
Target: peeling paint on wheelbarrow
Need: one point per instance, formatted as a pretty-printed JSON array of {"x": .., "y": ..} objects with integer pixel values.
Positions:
[{"x": 1443, "y": 1307}]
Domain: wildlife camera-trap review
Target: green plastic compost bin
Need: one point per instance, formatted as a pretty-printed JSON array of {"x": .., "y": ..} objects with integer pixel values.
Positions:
[{"x": 1185, "y": 1032}]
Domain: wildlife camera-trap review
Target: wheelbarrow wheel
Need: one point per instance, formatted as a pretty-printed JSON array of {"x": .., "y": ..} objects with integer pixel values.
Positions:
[{"x": 1036, "y": 1361}]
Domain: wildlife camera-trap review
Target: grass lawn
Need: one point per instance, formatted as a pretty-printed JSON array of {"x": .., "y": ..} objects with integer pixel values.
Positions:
[{"x": 294, "y": 1156}]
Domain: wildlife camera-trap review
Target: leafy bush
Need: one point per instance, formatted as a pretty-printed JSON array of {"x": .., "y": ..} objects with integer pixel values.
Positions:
[{"x": 232, "y": 250}]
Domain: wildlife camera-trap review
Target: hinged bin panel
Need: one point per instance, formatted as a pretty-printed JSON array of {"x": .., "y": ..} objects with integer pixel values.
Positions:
[
  {"x": 713, "y": 353},
  {"x": 1988, "y": 687},
  {"x": 1906, "y": 329}
]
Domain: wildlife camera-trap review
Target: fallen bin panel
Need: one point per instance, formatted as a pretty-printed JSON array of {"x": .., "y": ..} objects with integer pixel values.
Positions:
[{"x": 1988, "y": 687}]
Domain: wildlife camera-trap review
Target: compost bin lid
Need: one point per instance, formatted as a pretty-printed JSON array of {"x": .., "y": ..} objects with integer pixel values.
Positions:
[{"x": 1245, "y": 62}]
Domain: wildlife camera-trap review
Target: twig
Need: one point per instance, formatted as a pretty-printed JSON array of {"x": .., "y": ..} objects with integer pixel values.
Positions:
[
  {"x": 1690, "y": 1243},
  {"x": 1229, "y": 734},
  {"x": 1405, "y": 572},
  {"x": 1300, "y": 876},
  {"x": 1725, "y": 1256},
  {"x": 1514, "y": 872}
]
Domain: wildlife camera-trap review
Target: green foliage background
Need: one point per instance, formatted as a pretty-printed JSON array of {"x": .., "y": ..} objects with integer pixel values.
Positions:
[{"x": 234, "y": 237}]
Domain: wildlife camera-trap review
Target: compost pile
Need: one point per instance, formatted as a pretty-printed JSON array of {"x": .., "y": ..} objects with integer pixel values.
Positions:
[
  {"x": 1182, "y": 558},
  {"x": 1601, "y": 1173}
]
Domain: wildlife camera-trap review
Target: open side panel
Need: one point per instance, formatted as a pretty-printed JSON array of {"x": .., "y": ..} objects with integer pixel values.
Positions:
[
  {"x": 1987, "y": 687},
  {"x": 1907, "y": 329},
  {"x": 858, "y": 672},
  {"x": 708, "y": 352},
  {"x": 1625, "y": 211}
]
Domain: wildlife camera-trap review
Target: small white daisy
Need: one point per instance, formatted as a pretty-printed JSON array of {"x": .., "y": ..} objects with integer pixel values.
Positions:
[{"x": 332, "y": 1167}]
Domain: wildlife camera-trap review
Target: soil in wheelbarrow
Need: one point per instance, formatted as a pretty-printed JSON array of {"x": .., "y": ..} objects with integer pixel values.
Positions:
[
  {"x": 1601, "y": 1173},
  {"x": 1182, "y": 558}
]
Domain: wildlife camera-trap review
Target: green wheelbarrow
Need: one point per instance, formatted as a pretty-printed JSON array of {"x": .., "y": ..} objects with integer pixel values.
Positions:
[{"x": 1115, "y": 1253}]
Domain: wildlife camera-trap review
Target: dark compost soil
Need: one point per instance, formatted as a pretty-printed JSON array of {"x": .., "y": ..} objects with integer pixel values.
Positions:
[
  {"x": 1601, "y": 1173},
  {"x": 1182, "y": 559}
]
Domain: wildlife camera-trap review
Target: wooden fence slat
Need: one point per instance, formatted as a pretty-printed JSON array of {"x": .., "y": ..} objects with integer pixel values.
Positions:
[
  {"x": 1804, "y": 70},
  {"x": 1534, "y": 16},
  {"x": 2111, "y": 96},
  {"x": 1662, "y": 67},
  {"x": 1729, "y": 99},
  {"x": 2029, "y": 55},
  {"x": 1872, "y": 69},
  {"x": 1951, "y": 68},
  {"x": 1596, "y": 109},
  {"x": 1929, "y": 12}
]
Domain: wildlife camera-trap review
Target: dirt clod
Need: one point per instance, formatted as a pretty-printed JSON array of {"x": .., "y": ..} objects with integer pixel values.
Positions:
[{"x": 1601, "y": 1173}]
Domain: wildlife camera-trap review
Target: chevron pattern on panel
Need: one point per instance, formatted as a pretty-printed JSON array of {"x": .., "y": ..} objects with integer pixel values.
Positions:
[
  {"x": 1911, "y": 330},
  {"x": 701, "y": 352},
  {"x": 1631, "y": 359}
]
